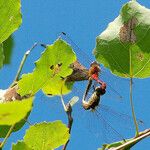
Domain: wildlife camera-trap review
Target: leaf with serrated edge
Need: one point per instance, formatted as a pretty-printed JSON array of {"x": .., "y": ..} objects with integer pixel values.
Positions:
[
  {"x": 47, "y": 75},
  {"x": 13, "y": 112},
  {"x": 124, "y": 46},
  {"x": 10, "y": 18},
  {"x": 46, "y": 136}
]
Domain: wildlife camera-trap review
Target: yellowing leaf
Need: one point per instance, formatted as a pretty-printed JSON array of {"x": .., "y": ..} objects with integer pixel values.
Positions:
[
  {"x": 13, "y": 112},
  {"x": 20, "y": 146}
]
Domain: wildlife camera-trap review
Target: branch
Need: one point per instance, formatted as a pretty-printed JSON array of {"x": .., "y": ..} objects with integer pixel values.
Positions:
[
  {"x": 70, "y": 122},
  {"x": 133, "y": 141},
  {"x": 22, "y": 64},
  {"x": 11, "y": 94}
]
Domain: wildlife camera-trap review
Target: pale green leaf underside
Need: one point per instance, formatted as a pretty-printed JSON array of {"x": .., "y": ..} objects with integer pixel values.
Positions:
[
  {"x": 47, "y": 75},
  {"x": 46, "y": 136},
  {"x": 126, "y": 58},
  {"x": 10, "y": 17},
  {"x": 1, "y": 55},
  {"x": 13, "y": 112}
]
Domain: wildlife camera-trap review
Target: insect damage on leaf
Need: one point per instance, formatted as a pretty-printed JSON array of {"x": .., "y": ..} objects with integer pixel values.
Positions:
[
  {"x": 56, "y": 68},
  {"x": 124, "y": 45},
  {"x": 126, "y": 33},
  {"x": 50, "y": 70},
  {"x": 140, "y": 56}
]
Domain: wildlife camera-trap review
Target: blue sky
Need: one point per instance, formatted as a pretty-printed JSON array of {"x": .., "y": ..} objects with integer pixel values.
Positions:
[{"x": 83, "y": 20}]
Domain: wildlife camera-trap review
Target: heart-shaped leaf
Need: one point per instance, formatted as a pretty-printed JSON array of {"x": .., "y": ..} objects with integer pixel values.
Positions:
[{"x": 124, "y": 46}]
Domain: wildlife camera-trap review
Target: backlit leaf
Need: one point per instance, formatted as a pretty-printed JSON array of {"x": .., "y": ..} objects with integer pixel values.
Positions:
[
  {"x": 10, "y": 18},
  {"x": 13, "y": 112},
  {"x": 5, "y": 128},
  {"x": 51, "y": 68},
  {"x": 46, "y": 136}
]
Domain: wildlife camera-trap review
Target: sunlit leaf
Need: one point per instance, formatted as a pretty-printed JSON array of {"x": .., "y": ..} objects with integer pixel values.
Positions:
[
  {"x": 20, "y": 146},
  {"x": 13, "y": 112},
  {"x": 46, "y": 136},
  {"x": 10, "y": 18},
  {"x": 124, "y": 46},
  {"x": 54, "y": 87},
  {"x": 51, "y": 68}
]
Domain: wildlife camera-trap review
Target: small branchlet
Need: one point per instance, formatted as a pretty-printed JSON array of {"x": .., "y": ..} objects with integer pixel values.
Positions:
[{"x": 70, "y": 122}]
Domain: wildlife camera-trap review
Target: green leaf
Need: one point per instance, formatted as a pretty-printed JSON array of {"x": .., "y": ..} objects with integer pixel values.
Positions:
[
  {"x": 46, "y": 136},
  {"x": 5, "y": 128},
  {"x": 54, "y": 87},
  {"x": 51, "y": 68},
  {"x": 20, "y": 146},
  {"x": 1, "y": 55},
  {"x": 124, "y": 46},
  {"x": 10, "y": 18},
  {"x": 13, "y": 112},
  {"x": 8, "y": 47}
]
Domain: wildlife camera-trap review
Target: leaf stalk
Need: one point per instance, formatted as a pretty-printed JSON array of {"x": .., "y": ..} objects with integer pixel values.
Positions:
[
  {"x": 131, "y": 94},
  {"x": 132, "y": 107}
]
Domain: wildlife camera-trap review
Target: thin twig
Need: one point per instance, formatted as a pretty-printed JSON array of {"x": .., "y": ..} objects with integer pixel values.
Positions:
[
  {"x": 22, "y": 63},
  {"x": 68, "y": 110},
  {"x": 132, "y": 142},
  {"x": 132, "y": 107},
  {"x": 70, "y": 122},
  {"x": 8, "y": 134}
]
